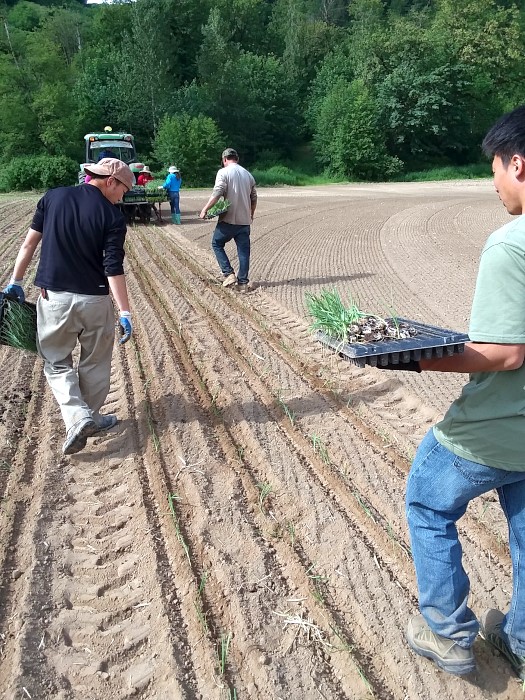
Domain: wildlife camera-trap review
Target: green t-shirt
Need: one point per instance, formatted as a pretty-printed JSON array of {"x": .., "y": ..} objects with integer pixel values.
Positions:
[{"x": 486, "y": 424}]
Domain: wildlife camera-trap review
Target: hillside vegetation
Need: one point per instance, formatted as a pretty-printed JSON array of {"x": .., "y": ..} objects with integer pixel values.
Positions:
[{"x": 367, "y": 89}]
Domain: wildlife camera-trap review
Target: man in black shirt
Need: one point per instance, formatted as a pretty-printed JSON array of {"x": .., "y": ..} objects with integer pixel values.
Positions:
[{"x": 81, "y": 261}]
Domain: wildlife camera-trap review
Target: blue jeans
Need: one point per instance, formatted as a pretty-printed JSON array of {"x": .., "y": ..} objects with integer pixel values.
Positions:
[
  {"x": 440, "y": 486},
  {"x": 241, "y": 235},
  {"x": 174, "y": 202}
]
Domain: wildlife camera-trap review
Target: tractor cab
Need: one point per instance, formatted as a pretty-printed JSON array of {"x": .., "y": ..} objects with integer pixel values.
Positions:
[
  {"x": 138, "y": 203},
  {"x": 110, "y": 145},
  {"x": 98, "y": 147}
]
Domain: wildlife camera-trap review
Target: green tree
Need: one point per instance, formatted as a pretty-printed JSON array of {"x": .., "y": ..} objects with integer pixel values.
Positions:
[
  {"x": 348, "y": 140},
  {"x": 422, "y": 113},
  {"x": 194, "y": 144},
  {"x": 26, "y": 16},
  {"x": 302, "y": 36},
  {"x": 487, "y": 40},
  {"x": 18, "y": 124}
]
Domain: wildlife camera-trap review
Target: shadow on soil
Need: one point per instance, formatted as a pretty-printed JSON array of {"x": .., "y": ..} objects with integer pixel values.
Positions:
[
  {"x": 166, "y": 412},
  {"x": 493, "y": 673},
  {"x": 311, "y": 281}
]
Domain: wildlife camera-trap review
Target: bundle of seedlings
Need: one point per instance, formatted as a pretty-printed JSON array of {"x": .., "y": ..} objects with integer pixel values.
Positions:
[
  {"x": 154, "y": 195},
  {"x": 351, "y": 325},
  {"x": 17, "y": 323},
  {"x": 219, "y": 208}
]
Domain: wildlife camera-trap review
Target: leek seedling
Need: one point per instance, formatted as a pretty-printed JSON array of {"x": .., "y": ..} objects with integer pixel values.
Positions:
[
  {"x": 349, "y": 323},
  {"x": 219, "y": 208},
  {"x": 330, "y": 314}
]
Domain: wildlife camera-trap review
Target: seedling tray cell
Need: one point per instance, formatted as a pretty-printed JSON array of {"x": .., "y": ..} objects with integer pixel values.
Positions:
[{"x": 430, "y": 341}]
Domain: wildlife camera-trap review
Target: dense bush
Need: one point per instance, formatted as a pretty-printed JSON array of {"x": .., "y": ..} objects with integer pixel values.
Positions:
[
  {"x": 193, "y": 144},
  {"x": 276, "y": 175},
  {"x": 37, "y": 173}
]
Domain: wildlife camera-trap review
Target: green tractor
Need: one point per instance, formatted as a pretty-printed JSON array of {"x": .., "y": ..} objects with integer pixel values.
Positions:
[{"x": 140, "y": 202}]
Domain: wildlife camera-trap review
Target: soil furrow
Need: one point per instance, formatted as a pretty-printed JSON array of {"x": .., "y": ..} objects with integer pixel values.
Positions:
[
  {"x": 213, "y": 357},
  {"x": 216, "y": 543},
  {"x": 240, "y": 533},
  {"x": 279, "y": 317}
]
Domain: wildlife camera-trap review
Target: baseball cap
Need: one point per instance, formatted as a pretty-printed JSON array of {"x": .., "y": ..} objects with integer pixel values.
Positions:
[
  {"x": 114, "y": 167},
  {"x": 230, "y": 153},
  {"x": 173, "y": 169}
]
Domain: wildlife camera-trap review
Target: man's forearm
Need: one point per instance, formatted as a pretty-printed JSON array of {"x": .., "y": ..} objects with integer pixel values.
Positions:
[
  {"x": 26, "y": 252},
  {"x": 119, "y": 290},
  {"x": 209, "y": 204},
  {"x": 478, "y": 357}
]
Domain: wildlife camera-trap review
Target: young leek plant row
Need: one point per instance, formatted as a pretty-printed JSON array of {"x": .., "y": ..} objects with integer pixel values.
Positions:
[{"x": 349, "y": 323}]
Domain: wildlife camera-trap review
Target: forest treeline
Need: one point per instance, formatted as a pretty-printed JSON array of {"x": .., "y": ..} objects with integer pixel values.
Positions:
[{"x": 370, "y": 88}]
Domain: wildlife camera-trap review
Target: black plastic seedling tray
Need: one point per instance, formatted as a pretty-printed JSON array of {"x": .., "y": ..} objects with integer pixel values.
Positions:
[{"x": 430, "y": 341}]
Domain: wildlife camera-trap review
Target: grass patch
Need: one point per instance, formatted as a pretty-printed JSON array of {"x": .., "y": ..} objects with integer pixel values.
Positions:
[
  {"x": 450, "y": 172},
  {"x": 278, "y": 174}
]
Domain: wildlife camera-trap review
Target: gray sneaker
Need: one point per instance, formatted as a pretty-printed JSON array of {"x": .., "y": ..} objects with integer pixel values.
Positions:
[
  {"x": 445, "y": 652},
  {"x": 491, "y": 624},
  {"x": 77, "y": 436},
  {"x": 105, "y": 422},
  {"x": 229, "y": 280}
]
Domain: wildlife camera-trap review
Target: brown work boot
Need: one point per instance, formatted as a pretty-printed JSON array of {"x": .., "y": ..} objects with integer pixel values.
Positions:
[
  {"x": 445, "y": 652},
  {"x": 491, "y": 624}
]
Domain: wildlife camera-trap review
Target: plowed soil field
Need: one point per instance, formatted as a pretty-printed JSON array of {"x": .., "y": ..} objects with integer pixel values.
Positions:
[{"x": 240, "y": 534}]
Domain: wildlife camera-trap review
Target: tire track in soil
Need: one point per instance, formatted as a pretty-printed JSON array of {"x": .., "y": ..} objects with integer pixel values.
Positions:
[
  {"x": 88, "y": 617},
  {"x": 142, "y": 258}
]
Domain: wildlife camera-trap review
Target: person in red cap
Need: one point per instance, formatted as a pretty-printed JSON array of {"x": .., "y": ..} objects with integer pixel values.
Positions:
[{"x": 81, "y": 261}]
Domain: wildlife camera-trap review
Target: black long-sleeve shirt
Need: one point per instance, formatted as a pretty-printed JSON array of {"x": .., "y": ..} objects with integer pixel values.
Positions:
[{"x": 83, "y": 238}]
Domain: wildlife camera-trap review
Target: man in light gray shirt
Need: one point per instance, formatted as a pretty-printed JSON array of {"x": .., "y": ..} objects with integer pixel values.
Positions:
[{"x": 237, "y": 185}]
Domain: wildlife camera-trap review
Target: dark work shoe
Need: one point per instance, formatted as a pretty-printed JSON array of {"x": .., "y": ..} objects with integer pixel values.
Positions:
[
  {"x": 105, "y": 422},
  {"x": 77, "y": 436},
  {"x": 243, "y": 288},
  {"x": 229, "y": 280},
  {"x": 491, "y": 624},
  {"x": 445, "y": 652}
]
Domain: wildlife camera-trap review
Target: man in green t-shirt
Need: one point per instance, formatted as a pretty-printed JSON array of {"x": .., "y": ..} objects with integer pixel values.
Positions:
[{"x": 479, "y": 444}]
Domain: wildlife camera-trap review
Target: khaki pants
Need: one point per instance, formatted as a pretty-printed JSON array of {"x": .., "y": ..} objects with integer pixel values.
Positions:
[{"x": 62, "y": 320}]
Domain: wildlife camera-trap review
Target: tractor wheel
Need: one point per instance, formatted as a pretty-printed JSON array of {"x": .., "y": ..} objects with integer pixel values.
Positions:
[{"x": 144, "y": 213}]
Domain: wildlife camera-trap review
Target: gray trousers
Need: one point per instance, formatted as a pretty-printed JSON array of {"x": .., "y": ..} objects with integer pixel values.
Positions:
[{"x": 62, "y": 320}]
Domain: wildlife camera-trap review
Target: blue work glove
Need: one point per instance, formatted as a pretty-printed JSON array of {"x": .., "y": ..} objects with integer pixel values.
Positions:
[
  {"x": 14, "y": 289},
  {"x": 126, "y": 328}
]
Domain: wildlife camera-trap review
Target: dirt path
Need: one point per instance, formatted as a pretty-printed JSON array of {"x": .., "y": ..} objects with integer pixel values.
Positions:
[{"x": 241, "y": 532}]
